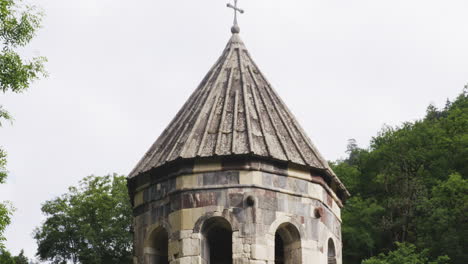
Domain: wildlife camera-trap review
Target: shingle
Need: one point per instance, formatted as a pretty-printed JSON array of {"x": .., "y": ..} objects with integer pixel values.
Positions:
[{"x": 234, "y": 111}]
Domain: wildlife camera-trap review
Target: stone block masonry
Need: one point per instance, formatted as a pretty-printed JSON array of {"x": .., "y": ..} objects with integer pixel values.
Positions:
[{"x": 255, "y": 209}]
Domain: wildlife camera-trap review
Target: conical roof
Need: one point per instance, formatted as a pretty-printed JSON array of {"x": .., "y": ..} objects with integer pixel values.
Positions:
[{"x": 234, "y": 111}]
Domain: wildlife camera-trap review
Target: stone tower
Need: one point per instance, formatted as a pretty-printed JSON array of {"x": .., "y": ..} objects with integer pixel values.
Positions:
[{"x": 235, "y": 180}]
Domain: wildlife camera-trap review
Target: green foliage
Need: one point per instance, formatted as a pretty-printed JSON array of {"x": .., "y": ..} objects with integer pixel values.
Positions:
[
  {"x": 405, "y": 254},
  {"x": 362, "y": 236},
  {"x": 21, "y": 259},
  {"x": 4, "y": 114},
  {"x": 18, "y": 25},
  {"x": 442, "y": 225},
  {"x": 7, "y": 258},
  {"x": 16, "y": 74},
  {"x": 3, "y": 162},
  {"x": 409, "y": 186},
  {"x": 6, "y": 210},
  {"x": 90, "y": 224}
]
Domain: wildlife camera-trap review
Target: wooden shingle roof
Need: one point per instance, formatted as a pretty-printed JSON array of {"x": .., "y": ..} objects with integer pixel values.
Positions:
[{"x": 234, "y": 111}]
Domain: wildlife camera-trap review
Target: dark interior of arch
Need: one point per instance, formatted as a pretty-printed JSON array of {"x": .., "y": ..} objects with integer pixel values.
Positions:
[
  {"x": 287, "y": 245},
  {"x": 331, "y": 252},
  {"x": 159, "y": 247},
  {"x": 279, "y": 249},
  {"x": 217, "y": 246}
]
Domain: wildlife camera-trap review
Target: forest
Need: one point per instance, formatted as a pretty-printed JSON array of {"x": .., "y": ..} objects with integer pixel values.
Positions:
[{"x": 409, "y": 191}]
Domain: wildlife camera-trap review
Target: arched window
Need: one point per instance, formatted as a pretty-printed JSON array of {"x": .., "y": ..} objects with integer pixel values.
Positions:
[
  {"x": 217, "y": 241},
  {"x": 331, "y": 252},
  {"x": 287, "y": 245},
  {"x": 156, "y": 250}
]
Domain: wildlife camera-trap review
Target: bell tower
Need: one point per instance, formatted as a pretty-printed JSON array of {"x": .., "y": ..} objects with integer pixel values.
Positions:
[{"x": 234, "y": 179}]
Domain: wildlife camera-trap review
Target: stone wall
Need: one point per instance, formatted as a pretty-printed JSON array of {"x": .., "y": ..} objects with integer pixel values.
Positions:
[{"x": 255, "y": 203}]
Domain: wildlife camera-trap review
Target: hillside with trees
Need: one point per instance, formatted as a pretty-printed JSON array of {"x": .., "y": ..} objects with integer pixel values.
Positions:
[{"x": 409, "y": 190}]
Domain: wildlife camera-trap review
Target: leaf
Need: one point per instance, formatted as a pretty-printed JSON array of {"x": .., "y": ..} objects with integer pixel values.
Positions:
[{"x": 90, "y": 224}]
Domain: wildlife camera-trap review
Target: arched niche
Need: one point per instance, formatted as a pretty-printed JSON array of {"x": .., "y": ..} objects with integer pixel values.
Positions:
[
  {"x": 156, "y": 247},
  {"x": 216, "y": 241},
  {"x": 288, "y": 248},
  {"x": 331, "y": 252}
]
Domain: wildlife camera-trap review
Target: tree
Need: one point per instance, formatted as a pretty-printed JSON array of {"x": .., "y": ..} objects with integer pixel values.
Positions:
[
  {"x": 406, "y": 253},
  {"x": 362, "y": 235},
  {"x": 18, "y": 25},
  {"x": 5, "y": 208},
  {"x": 6, "y": 211},
  {"x": 409, "y": 186},
  {"x": 21, "y": 259},
  {"x": 7, "y": 258},
  {"x": 443, "y": 223},
  {"x": 3, "y": 162},
  {"x": 90, "y": 224}
]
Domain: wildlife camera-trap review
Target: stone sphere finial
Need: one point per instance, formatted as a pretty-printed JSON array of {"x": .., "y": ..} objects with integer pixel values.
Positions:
[{"x": 235, "y": 29}]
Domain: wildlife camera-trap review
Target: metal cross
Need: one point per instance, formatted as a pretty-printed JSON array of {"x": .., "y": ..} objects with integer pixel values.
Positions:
[{"x": 236, "y": 9}]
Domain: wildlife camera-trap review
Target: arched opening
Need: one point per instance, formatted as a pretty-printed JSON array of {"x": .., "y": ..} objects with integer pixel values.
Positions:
[
  {"x": 287, "y": 245},
  {"x": 331, "y": 252},
  {"x": 156, "y": 250},
  {"x": 217, "y": 241}
]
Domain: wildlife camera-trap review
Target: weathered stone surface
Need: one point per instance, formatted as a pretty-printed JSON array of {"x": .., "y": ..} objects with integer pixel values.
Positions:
[
  {"x": 236, "y": 200},
  {"x": 234, "y": 140},
  {"x": 190, "y": 247},
  {"x": 235, "y": 112},
  {"x": 182, "y": 211},
  {"x": 216, "y": 178}
]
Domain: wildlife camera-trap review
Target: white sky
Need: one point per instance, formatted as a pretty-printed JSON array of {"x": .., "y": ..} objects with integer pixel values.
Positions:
[{"x": 120, "y": 70}]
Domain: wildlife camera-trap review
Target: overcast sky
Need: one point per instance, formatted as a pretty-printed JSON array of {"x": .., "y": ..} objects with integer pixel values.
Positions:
[{"x": 120, "y": 70}]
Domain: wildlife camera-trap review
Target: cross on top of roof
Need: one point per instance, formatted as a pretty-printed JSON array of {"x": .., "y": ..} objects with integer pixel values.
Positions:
[{"x": 235, "y": 28}]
